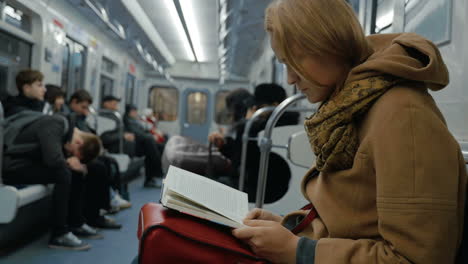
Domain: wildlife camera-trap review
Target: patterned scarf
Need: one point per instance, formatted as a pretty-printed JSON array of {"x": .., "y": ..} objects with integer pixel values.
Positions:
[{"x": 332, "y": 129}]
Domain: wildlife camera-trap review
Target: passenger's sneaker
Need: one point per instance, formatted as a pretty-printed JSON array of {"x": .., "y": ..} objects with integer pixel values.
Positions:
[
  {"x": 106, "y": 222},
  {"x": 85, "y": 231},
  {"x": 152, "y": 183},
  {"x": 119, "y": 202},
  {"x": 68, "y": 241}
]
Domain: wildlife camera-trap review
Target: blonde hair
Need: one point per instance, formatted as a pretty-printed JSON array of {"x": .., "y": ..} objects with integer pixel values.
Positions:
[{"x": 316, "y": 28}]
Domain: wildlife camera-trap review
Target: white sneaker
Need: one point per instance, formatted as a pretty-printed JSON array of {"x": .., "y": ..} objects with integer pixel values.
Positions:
[{"x": 119, "y": 202}]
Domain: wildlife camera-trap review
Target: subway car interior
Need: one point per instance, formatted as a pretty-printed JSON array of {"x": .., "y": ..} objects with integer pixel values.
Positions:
[{"x": 170, "y": 77}]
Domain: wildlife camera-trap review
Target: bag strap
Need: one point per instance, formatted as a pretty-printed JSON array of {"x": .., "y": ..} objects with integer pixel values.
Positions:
[{"x": 306, "y": 220}]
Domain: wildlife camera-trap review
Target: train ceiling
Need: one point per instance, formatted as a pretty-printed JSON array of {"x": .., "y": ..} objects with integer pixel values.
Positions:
[{"x": 226, "y": 34}]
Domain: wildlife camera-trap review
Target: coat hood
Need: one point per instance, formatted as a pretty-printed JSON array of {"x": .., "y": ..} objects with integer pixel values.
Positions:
[{"x": 408, "y": 56}]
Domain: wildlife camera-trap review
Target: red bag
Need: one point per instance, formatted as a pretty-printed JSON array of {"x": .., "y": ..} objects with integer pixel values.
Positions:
[{"x": 167, "y": 236}]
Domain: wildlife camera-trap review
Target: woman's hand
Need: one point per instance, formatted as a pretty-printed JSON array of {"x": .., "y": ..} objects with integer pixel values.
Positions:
[
  {"x": 269, "y": 239},
  {"x": 261, "y": 214}
]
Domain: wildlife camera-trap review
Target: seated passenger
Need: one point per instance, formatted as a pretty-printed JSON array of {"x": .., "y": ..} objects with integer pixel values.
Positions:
[
  {"x": 31, "y": 92},
  {"x": 100, "y": 175},
  {"x": 133, "y": 124},
  {"x": 134, "y": 144},
  {"x": 238, "y": 102},
  {"x": 267, "y": 94},
  {"x": 55, "y": 96},
  {"x": 151, "y": 122},
  {"x": 389, "y": 183},
  {"x": 58, "y": 158}
]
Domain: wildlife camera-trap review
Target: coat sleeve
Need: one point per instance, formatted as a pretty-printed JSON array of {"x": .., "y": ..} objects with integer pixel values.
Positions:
[{"x": 420, "y": 190}]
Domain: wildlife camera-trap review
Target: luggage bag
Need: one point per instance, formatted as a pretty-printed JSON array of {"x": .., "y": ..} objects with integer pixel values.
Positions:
[{"x": 167, "y": 236}]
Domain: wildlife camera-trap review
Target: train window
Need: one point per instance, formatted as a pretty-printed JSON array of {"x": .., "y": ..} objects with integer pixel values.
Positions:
[
  {"x": 73, "y": 66},
  {"x": 222, "y": 114},
  {"x": 196, "y": 108},
  {"x": 431, "y": 19},
  {"x": 107, "y": 66},
  {"x": 107, "y": 86},
  {"x": 164, "y": 102},
  {"x": 130, "y": 89},
  {"x": 384, "y": 16},
  {"x": 15, "y": 55},
  {"x": 17, "y": 18}
]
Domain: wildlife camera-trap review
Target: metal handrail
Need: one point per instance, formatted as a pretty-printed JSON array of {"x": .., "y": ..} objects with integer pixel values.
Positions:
[
  {"x": 266, "y": 145},
  {"x": 245, "y": 140},
  {"x": 121, "y": 126}
]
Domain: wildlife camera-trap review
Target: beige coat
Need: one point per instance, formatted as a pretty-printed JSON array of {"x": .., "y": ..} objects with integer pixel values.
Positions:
[{"x": 403, "y": 199}]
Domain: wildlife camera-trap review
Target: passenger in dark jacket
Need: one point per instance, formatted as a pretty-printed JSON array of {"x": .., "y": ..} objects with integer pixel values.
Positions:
[
  {"x": 135, "y": 143},
  {"x": 31, "y": 92},
  {"x": 279, "y": 173},
  {"x": 101, "y": 176},
  {"x": 58, "y": 159}
]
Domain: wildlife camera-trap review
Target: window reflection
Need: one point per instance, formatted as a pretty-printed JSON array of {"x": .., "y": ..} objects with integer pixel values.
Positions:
[
  {"x": 164, "y": 102},
  {"x": 197, "y": 108},
  {"x": 222, "y": 114}
]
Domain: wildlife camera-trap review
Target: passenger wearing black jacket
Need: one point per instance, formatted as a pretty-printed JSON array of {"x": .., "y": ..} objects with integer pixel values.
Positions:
[
  {"x": 58, "y": 153},
  {"x": 100, "y": 173},
  {"x": 135, "y": 143},
  {"x": 145, "y": 145},
  {"x": 47, "y": 163},
  {"x": 279, "y": 173},
  {"x": 31, "y": 93}
]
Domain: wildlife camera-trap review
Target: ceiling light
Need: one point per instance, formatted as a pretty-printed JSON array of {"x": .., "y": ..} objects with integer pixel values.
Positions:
[
  {"x": 137, "y": 12},
  {"x": 192, "y": 25},
  {"x": 180, "y": 28}
]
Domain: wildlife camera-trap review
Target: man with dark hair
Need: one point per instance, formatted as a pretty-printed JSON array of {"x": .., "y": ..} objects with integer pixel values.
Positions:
[
  {"x": 55, "y": 96},
  {"x": 80, "y": 102},
  {"x": 135, "y": 141},
  {"x": 100, "y": 173},
  {"x": 58, "y": 158},
  {"x": 31, "y": 92}
]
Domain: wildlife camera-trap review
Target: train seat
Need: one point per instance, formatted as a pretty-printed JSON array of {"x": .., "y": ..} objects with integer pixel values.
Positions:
[
  {"x": 12, "y": 199},
  {"x": 293, "y": 198}
]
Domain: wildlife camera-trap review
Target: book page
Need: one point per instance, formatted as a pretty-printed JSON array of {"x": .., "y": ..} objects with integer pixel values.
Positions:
[{"x": 218, "y": 197}]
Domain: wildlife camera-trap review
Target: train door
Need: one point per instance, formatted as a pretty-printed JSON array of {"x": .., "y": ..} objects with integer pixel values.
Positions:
[
  {"x": 15, "y": 55},
  {"x": 73, "y": 73},
  {"x": 195, "y": 117},
  {"x": 130, "y": 89}
]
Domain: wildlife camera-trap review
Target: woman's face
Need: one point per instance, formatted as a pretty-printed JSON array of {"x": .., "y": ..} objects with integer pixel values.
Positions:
[
  {"x": 326, "y": 72},
  {"x": 59, "y": 101}
]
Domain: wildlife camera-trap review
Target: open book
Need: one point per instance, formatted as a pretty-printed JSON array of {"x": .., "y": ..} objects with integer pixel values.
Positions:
[{"x": 199, "y": 196}]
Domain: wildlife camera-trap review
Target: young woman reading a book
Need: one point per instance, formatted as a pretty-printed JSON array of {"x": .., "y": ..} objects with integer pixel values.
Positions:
[{"x": 389, "y": 180}]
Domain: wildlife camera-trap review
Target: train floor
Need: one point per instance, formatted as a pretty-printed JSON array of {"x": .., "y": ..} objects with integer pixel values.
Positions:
[{"x": 118, "y": 247}]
